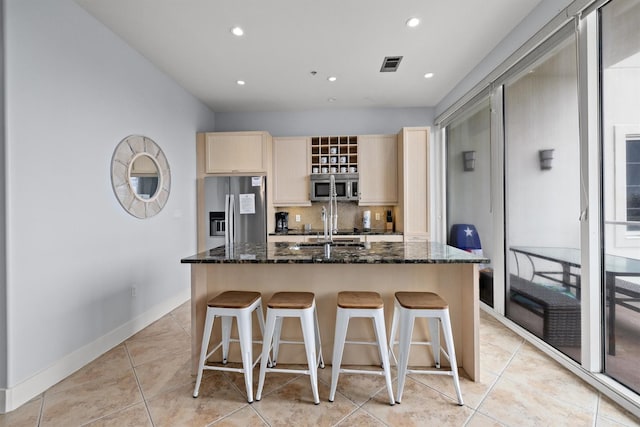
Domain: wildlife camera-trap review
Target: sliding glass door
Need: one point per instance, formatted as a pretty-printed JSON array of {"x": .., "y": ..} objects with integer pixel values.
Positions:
[
  {"x": 620, "y": 74},
  {"x": 542, "y": 196},
  {"x": 469, "y": 211}
]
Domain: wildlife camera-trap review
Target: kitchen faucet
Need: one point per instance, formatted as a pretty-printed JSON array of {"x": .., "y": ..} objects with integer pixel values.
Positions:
[
  {"x": 330, "y": 222},
  {"x": 333, "y": 207}
]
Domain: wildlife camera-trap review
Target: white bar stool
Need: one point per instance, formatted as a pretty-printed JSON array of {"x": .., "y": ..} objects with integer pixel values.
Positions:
[
  {"x": 303, "y": 306},
  {"x": 227, "y": 305},
  {"x": 409, "y": 306},
  {"x": 360, "y": 304}
]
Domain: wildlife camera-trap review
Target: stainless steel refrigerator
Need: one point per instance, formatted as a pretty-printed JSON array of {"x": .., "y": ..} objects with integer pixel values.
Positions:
[{"x": 236, "y": 209}]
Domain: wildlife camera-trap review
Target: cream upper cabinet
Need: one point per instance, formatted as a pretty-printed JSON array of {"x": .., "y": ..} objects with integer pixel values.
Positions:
[
  {"x": 413, "y": 170},
  {"x": 378, "y": 168},
  {"x": 236, "y": 152},
  {"x": 291, "y": 165}
]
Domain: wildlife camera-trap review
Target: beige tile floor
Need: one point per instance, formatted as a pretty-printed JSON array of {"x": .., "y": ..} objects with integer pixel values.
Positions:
[{"x": 146, "y": 381}]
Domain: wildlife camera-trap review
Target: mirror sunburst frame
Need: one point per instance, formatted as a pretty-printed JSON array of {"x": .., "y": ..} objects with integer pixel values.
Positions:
[{"x": 124, "y": 177}]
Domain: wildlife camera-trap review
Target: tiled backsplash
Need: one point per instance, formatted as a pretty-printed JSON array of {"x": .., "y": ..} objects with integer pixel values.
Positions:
[{"x": 349, "y": 216}]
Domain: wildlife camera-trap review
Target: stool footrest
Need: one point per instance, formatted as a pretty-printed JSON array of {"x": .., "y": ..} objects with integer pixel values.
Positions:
[
  {"x": 288, "y": 371},
  {"x": 222, "y": 368},
  {"x": 362, "y": 342},
  {"x": 361, "y": 371},
  {"x": 435, "y": 371},
  {"x": 290, "y": 342},
  {"x": 426, "y": 343},
  {"x": 237, "y": 340}
]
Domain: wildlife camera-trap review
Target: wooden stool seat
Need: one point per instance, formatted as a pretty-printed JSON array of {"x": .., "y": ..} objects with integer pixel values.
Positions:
[
  {"x": 421, "y": 301},
  {"x": 234, "y": 299},
  {"x": 292, "y": 300},
  {"x": 351, "y": 299}
]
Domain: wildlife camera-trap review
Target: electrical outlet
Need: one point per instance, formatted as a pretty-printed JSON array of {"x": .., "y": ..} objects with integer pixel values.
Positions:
[
  {"x": 377, "y": 216},
  {"x": 297, "y": 218}
]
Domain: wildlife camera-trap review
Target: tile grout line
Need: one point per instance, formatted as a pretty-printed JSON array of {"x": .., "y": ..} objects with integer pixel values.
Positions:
[
  {"x": 228, "y": 415},
  {"x": 264, "y": 420},
  {"x": 563, "y": 369},
  {"x": 361, "y": 407},
  {"x": 135, "y": 374},
  {"x": 498, "y": 377},
  {"x": 489, "y": 390},
  {"x": 179, "y": 324},
  {"x": 41, "y": 410}
]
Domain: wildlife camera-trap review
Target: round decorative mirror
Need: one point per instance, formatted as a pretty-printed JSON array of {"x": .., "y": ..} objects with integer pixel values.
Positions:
[{"x": 140, "y": 176}]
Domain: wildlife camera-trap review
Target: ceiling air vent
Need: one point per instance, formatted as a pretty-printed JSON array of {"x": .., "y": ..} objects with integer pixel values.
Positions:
[{"x": 390, "y": 64}]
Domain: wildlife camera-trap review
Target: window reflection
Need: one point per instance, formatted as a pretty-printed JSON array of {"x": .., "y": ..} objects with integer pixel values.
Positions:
[
  {"x": 620, "y": 71},
  {"x": 543, "y": 205}
]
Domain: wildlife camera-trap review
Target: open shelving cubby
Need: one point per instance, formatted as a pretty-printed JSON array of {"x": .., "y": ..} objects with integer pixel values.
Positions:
[{"x": 337, "y": 151}]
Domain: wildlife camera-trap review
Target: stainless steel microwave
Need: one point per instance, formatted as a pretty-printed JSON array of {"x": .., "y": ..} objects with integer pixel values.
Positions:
[{"x": 346, "y": 187}]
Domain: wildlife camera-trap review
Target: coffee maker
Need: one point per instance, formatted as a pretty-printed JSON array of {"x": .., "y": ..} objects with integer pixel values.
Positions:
[{"x": 282, "y": 222}]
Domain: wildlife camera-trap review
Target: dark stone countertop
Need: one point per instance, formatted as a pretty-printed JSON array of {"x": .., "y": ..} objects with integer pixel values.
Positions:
[
  {"x": 346, "y": 232},
  {"x": 365, "y": 253}
]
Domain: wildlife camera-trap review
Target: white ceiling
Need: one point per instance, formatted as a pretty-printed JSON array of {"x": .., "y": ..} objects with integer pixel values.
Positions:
[{"x": 285, "y": 40}]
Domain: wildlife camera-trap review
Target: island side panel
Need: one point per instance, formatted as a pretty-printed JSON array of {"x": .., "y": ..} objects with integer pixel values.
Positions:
[
  {"x": 199, "y": 298},
  {"x": 454, "y": 282},
  {"x": 471, "y": 308}
]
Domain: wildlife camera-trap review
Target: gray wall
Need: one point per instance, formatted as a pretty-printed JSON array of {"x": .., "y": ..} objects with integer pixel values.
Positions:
[
  {"x": 73, "y": 91},
  {"x": 326, "y": 122}
]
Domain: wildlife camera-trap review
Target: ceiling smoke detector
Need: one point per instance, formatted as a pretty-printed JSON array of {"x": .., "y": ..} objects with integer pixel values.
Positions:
[{"x": 390, "y": 64}]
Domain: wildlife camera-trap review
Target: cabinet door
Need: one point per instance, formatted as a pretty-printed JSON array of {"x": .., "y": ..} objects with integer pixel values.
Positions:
[
  {"x": 413, "y": 163},
  {"x": 378, "y": 167},
  {"x": 291, "y": 164},
  {"x": 235, "y": 152}
]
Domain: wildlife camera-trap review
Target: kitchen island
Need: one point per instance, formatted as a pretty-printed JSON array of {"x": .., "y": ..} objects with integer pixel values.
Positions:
[{"x": 384, "y": 267}]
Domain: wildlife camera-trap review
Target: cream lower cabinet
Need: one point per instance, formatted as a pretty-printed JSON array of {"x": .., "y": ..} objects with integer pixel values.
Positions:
[
  {"x": 236, "y": 152},
  {"x": 378, "y": 168},
  {"x": 291, "y": 166},
  {"x": 413, "y": 219}
]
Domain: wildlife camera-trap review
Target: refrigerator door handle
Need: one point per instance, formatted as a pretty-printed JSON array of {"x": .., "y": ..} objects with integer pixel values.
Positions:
[
  {"x": 226, "y": 220},
  {"x": 231, "y": 219}
]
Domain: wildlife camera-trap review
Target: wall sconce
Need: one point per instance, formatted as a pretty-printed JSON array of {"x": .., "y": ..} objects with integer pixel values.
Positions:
[
  {"x": 546, "y": 157},
  {"x": 469, "y": 160}
]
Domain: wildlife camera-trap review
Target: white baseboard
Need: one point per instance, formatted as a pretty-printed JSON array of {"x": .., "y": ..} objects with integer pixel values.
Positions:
[{"x": 14, "y": 397}]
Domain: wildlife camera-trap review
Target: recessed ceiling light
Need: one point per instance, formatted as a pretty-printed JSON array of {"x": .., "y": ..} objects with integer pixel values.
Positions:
[
  {"x": 428, "y": 75},
  {"x": 413, "y": 22},
  {"x": 332, "y": 78},
  {"x": 237, "y": 31},
  {"x": 240, "y": 82}
]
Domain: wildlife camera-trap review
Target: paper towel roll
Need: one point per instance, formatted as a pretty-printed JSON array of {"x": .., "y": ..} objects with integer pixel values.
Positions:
[{"x": 366, "y": 220}]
